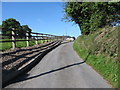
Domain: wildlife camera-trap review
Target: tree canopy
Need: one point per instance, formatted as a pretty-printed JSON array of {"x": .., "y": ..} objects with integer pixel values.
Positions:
[
  {"x": 23, "y": 30},
  {"x": 92, "y": 15},
  {"x": 10, "y": 23}
]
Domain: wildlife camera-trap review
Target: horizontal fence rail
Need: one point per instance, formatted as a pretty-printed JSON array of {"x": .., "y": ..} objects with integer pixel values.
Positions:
[{"x": 30, "y": 36}]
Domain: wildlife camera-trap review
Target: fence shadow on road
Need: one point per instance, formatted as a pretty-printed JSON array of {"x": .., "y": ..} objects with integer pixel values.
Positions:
[{"x": 24, "y": 77}]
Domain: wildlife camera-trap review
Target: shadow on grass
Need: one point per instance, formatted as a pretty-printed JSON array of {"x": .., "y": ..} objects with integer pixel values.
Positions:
[{"x": 25, "y": 49}]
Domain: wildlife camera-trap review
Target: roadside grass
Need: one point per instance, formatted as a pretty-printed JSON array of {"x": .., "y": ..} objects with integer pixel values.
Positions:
[
  {"x": 7, "y": 45},
  {"x": 104, "y": 64}
]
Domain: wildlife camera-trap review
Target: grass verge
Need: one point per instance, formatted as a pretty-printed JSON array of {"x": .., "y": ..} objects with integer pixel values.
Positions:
[{"x": 104, "y": 65}]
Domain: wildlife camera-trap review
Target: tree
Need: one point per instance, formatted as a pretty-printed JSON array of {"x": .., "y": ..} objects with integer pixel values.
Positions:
[
  {"x": 8, "y": 24},
  {"x": 25, "y": 29},
  {"x": 92, "y": 15},
  {"x": 21, "y": 32}
]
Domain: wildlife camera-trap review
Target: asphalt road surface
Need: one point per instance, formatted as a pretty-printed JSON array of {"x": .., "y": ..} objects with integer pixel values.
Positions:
[{"x": 61, "y": 68}]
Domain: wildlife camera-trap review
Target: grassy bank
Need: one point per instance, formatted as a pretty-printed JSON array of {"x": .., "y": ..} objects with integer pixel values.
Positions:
[{"x": 100, "y": 50}]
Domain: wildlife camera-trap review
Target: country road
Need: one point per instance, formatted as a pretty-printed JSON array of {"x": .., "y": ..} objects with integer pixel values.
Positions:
[{"x": 61, "y": 68}]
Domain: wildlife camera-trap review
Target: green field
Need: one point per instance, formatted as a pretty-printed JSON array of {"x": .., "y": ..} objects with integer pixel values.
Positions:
[
  {"x": 100, "y": 51},
  {"x": 19, "y": 44}
]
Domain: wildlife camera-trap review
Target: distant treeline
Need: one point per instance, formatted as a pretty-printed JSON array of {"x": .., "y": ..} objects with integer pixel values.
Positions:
[
  {"x": 11, "y": 23},
  {"x": 92, "y": 15}
]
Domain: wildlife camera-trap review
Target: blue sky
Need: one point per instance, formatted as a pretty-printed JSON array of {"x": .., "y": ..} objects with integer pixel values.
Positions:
[{"x": 42, "y": 17}]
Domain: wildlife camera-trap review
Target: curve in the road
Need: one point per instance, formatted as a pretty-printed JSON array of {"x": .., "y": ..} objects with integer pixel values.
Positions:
[{"x": 61, "y": 68}]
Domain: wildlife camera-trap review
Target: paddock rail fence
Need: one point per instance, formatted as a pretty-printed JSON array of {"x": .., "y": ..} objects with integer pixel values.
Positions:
[{"x": 30, "y": 36}]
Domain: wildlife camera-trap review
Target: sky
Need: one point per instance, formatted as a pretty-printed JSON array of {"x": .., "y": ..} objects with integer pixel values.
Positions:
[{"x": 41, "y": 17}]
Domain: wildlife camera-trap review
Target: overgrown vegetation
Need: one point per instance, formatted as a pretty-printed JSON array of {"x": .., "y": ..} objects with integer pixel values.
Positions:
[
  {"x": 100, "y": 50},
  {"x": 92, "y": 15}
]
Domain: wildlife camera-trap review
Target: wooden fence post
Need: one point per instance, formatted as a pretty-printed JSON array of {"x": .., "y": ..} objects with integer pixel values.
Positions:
[
  {"x": 55, "y": 38},
  {"x": 50, "y": 38},
  {"x": 47, "y": 37},
  {"x": 43, "y": 38},
  {"x": 36, "y": 39},
  {"x": 63, "y": 38},
  {"x": 27, "y": 38},
  {"x": 13, "y": 38}
]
